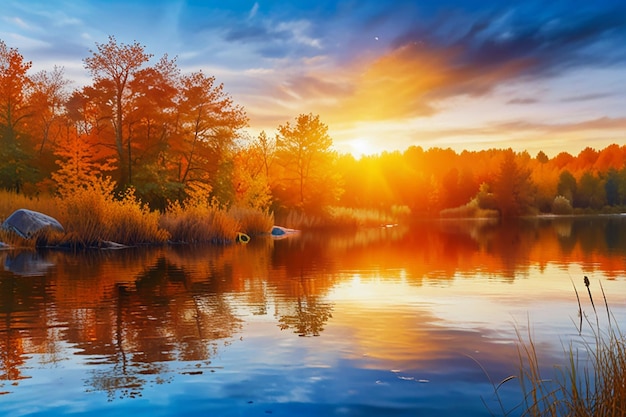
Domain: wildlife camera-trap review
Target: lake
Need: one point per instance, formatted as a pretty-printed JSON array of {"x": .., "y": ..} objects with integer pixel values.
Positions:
[{"x": 390, "y": 321}]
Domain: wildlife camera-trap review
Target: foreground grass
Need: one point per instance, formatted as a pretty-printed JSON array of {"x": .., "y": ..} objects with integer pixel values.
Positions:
[
  {"x": 592, "y": 383},
  {"x": 94, "y": 215}
]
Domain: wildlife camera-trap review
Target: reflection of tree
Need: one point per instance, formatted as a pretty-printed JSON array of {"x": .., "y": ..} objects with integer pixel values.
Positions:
[
  {"x": 23, "y": 313},
  {"x": 309, "y": 316},
  {"x": 162, "y": 316},
  {"x": 307, "y": 313}
]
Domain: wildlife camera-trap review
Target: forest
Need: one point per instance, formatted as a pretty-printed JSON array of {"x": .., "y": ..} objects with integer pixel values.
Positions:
[{"x": 147, "y": 130}]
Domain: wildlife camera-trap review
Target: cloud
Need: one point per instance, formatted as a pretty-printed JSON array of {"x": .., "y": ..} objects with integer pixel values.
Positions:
[
  {"x": 586, "y": 97},
  {"x": 523, "y": 101},
  {"x": 254, "y": 10}
]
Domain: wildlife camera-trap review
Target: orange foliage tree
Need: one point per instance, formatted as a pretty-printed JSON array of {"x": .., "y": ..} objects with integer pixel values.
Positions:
[
  {"x": 13, "y": 113},
  {"x": 304, "y": 154}
]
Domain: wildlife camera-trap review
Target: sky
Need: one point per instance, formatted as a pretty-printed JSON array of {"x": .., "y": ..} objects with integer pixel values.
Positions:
[{"x": 382, "y": 75}]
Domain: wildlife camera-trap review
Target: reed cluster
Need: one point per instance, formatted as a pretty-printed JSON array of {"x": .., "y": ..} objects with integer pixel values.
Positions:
[
  {"x": 252, "y": 221},
  {"x": 471, "y": 210},
  {"x": 343, "y": 218},
  {"x": 592, "y": 380},
  {"x": 93, "y": 214},
  {"x": 196, "y": 221}
]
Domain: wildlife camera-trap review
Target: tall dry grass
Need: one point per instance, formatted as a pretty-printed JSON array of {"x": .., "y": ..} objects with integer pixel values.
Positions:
[
  {"x": 92, "y": 215},
  {"x": 343, "y": 218},
  {"x": 591, "y": 382},
  {"x": 198, "y": 221},
  {"x": 252, "y": 221}
]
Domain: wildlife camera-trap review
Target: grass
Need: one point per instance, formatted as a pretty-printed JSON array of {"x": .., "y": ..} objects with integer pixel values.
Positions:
[
  {"x": 93, "y": 215},
  {"x": 252, "y": 221},
  {"x": 592, "y": 381},
  {"x": 195, "y": 221},
  {"x": 342, "y": 218},
  {"x": 469, "y": 210}
]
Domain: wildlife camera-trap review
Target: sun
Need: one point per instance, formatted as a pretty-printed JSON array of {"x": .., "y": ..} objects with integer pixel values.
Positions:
[{"x": 360, "y": 147}]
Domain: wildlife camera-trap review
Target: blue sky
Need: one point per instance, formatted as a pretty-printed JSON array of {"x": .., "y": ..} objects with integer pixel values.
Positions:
[{"x": 530, "y": 75}]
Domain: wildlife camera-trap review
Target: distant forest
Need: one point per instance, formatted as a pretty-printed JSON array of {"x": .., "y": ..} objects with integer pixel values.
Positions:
[{"x": 165, "y": 133}]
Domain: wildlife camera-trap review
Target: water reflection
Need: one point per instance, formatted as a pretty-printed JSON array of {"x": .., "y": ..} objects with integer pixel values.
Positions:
[{"x": 387, "y": 298}]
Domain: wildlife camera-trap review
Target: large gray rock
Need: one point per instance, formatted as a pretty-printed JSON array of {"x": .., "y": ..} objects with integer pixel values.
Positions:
[{"x": 27, "y": 222}]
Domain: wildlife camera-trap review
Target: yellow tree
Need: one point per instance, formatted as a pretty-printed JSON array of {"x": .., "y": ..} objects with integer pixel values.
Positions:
[
  {"x": 304, "y": 152},
  {"x": 79, "y": 163}
]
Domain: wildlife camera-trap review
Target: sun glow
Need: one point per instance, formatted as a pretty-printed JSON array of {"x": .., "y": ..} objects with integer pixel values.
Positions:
[{"x": 359, "y": 147}]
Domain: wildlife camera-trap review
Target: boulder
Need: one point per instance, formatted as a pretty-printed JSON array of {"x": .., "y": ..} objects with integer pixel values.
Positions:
[
  {"x": 26, "y": 223},
  {"x": 280, "y": 232}
]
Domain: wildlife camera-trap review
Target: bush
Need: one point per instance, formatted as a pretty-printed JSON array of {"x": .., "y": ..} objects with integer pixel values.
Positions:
[
  {"x": 561, "y": 205},
  {"x": 197, "y": 221},
  {"x": 91, "y": 215},
  {"x": 252, "y": 221}
]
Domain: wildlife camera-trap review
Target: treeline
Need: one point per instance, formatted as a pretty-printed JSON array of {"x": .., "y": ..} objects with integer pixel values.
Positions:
[
  {"x": 169, "y": 135},
  {"x": 165, "y": 133},
  {"x": 497, "y": 182}
]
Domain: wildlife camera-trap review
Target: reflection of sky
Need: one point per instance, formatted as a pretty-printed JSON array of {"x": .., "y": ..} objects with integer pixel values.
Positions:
[{"x": 399, "y": 341}]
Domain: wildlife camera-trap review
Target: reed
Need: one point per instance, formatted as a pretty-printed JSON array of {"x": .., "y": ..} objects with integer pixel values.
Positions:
[
  {"x": 343, "y": 218},
  {"x": 92, "y": 215},
  {"x": 471, "y": 210},
  {"x": 197, "y": 221},
  {"x": 11, "y": 201},
  {"x": 252, "y": 221},
  {"x": 591, "y": 382}
]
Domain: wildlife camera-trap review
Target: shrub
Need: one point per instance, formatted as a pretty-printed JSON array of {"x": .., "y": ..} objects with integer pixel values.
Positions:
[
  {"x": 561, "y": 205},
  {"x": 252, "y": 221},
  {"x": 196, "y": 221},
  {"x": 91, "y": 215}
]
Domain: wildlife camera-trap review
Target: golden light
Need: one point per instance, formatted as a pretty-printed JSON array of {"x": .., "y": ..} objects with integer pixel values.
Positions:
[{"x": 361, "y": 146}]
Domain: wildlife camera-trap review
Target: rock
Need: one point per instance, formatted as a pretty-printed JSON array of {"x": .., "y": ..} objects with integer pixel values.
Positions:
[
  {"x": 26, "y": 223},
  {"x": 280, "y": 232},
  {"x": 27, "y": 264}
]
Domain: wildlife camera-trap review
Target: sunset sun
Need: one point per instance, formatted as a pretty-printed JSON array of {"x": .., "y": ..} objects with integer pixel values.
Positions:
[{"x": 361, "y": 146}]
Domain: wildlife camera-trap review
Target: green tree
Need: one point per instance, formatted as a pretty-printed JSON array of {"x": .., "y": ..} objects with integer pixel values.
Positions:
[
  {"x": 303, "y": 151},
  {"x": 590, "y": 192},
  {"x": 567, "y": 186},
  {"x": 611, "y": 187}
]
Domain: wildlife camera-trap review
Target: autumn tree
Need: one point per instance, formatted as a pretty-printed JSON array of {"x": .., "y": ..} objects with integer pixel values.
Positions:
[
  {"x": 303, "y": 151},
  {"x": 266, "y": 149},
  {"x": 113, "y": 66},
  {"x": 151, "y": 122},
  {"x": 250, "y": 181},
  {"x": 513, "y": 189},
  {"x": 78, "y": 163},
  {"x": 208, "y": 123},
  {"x": 48, "y": 97},
  {"x": 14, "y": 153}
]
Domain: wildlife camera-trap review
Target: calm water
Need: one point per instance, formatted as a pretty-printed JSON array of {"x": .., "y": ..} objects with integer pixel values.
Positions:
[{"x": 382, "y": 322}]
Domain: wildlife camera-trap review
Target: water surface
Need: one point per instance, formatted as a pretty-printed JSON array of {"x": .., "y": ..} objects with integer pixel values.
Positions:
[{"x": 399, "y": 321}]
